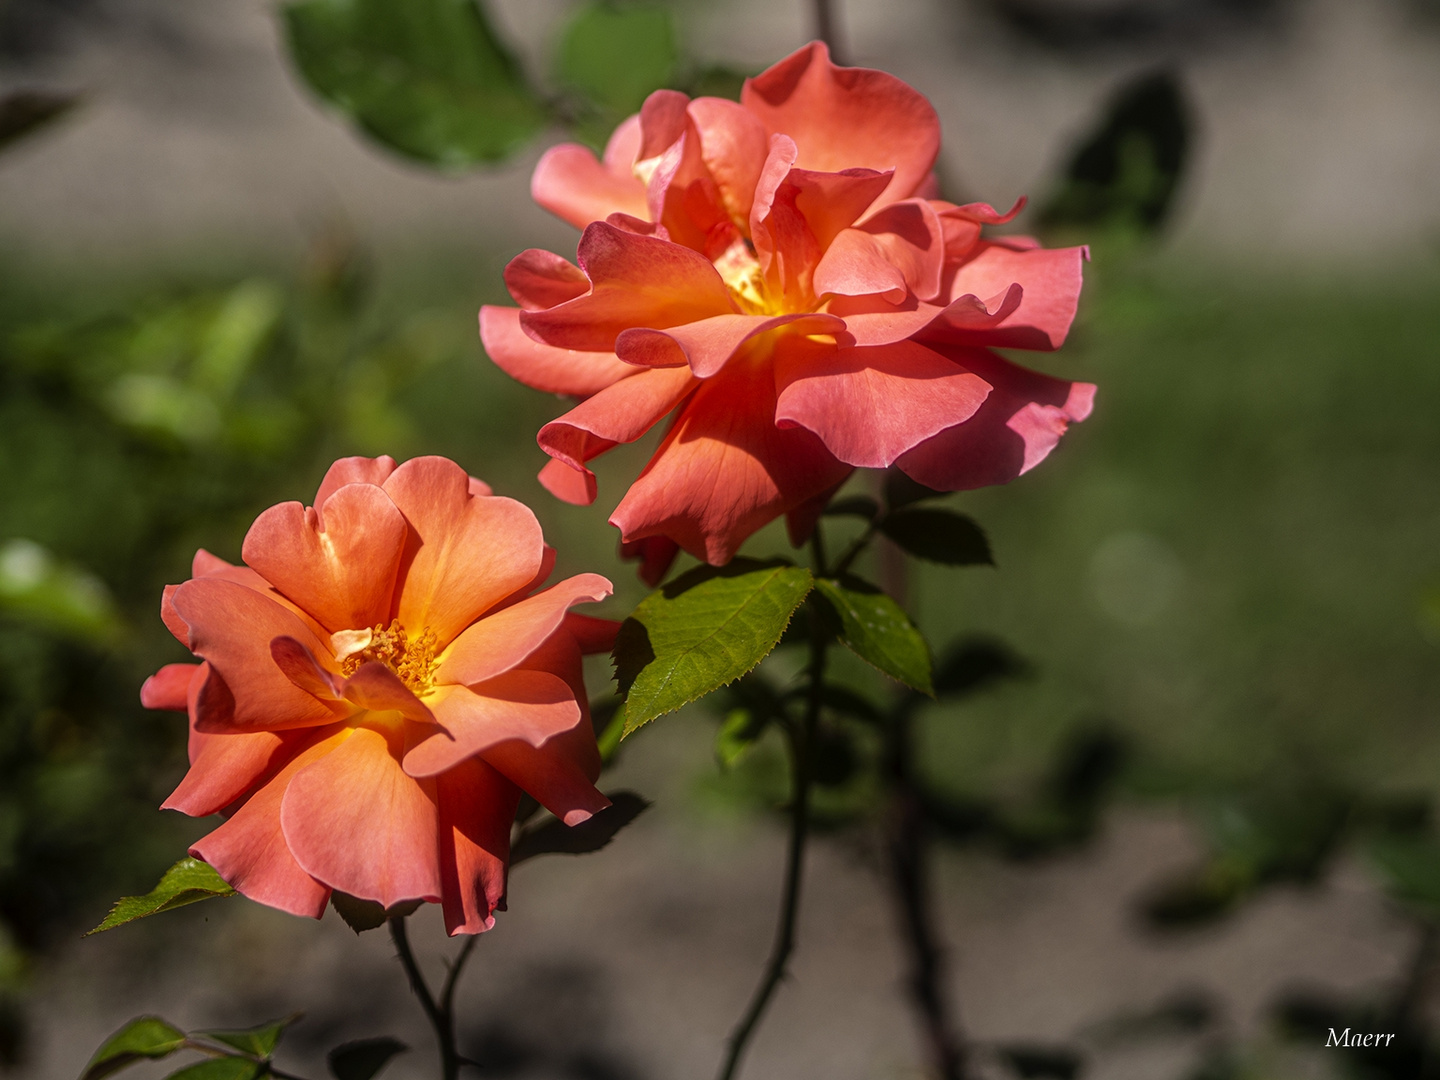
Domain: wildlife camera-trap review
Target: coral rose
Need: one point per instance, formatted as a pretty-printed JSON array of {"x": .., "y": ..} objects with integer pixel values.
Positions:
[
  {"x": 776, "y": 273},
  {"x": 377, "y": 687}
]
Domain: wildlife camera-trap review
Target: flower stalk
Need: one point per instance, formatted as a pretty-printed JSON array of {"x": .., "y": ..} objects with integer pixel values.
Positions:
[{"x": 439, "y": 1012}]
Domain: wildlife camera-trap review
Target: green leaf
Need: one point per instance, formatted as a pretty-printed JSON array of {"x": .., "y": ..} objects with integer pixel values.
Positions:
[
  {"x": 257, "y": 1041},
  {"x": 361, "y": 915},
  {"x": 38, "y": 588},
  {"x": 427, "y": 78},
  {"x": 705, "y": 629},
  {"x": 362, "y": 1059},
  {"x": 971, "y": 666},
  {"x": 608, "y": 720},
  {"x": 615, "y": 56},
  {"x": 187, "y": 882},
  {"x": 737, "y": 735},
  {"x": 554, "y": 837},
  {"x": 143, "y": 1037},
  {"x": 941, "y": 536},
  {"x": 1411, "y": 866},
  {"x": 223, "y": 1068},
  {"x": 25, "y": 111},
  {"x": 875, "y": 629}
]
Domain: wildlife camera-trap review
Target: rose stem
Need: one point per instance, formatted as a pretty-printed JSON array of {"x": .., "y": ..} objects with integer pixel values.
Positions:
[
  {"x": 438, "y": 1014},
  {"x": 800, "y": 742}
]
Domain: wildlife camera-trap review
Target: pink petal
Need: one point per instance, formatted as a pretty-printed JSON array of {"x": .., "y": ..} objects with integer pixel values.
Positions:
[
  {"x": 211, "y": 566},
  {"x": 350, "y": 470},
  {"x": 637, "y": 281},
  {"x": 856, "y": 265},
  {"x": 844, "y": 118},
  {"x": 357, "y": 822},
  {"x": 503, "y": 640},
  {"x": 477, "y": 808},
  {"x": 733, "y": 145},
  {"x": 870, "y": 405},
  {"x": 232, "y": 627},
  {"x": 539, "y": 279},
  {"x": 575, "y": 187},
  {"x": 545, "y": 367},
  {"x": 656, "y": 555},
  {"x": 620, "y": 413},
  {"x": 567, "y": 483},
  {"x": 249, "y": 850},
  {"x": 708, "y": 344},
  {"x": 1050, "y": 280},
  {"x": 871, "y": 320},
  {"x": 468, "y": 553},
  {"x": 724, "y": 469},
  {"x": 1020, "y": 423},
  {"x": 226, "y": 767},
  {"x": 623, "y": 147},
  {"x": 531, "y": 706},
  {"x": 337, "y": 561},
  {"x": 591, "y": 633},
  {"x": 556, "y": 782},
  {"x": 378, "y": 689},
  {"x": 168, "y": 688},
  {"x": 913, "y": 239},
  {"x": 304, "y": 669}
]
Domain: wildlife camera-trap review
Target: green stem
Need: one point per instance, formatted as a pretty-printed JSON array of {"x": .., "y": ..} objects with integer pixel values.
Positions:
[
  {"x": 438, "y": 1015},
  {"x": 800, "y": 741}
]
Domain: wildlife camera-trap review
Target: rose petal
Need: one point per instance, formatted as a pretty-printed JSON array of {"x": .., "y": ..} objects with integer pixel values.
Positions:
[
  {"x": 350, "y": 470},
  {"x": 556, "y": 782},
  {"x": 656, "y": 555},
  {"x": 169, "y": 687},
  {"x": 356, "y": 821},
  {"x": 539, "y": 279},
  {"x": 545, "y": 367},
  {"x": 376, "y": 688},
  {"x": 226, "y": 767},
  {"x": 567, "y": 483},
  {"x": 707, "y": 345},
  {"x": 531, "y": 706},
  {"x": 1050, "y": 280},
  {"x": 575, "y": 187},
  {"x": 477, "y": 807},
  {"x": 733, "y": 145},
  {"x": 620, "y": 413}
]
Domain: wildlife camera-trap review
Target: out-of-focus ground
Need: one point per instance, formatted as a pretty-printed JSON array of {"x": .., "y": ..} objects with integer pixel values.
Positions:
[{"x": 1319, "y": 144}]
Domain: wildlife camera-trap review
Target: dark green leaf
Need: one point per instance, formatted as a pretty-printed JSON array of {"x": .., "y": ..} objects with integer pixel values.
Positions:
[
  {"x": 364, "y": 1058},
  {"x": 554, "y": 837},
  {"x": 861, "y": 506},
  {"x": 971, "y": 666},
  {"x": 187, "y": 882},
  {"x": 427, "y": 78},
  {"x": 875, "y": 629},
  {"x": 224, "y": 1068},
  {"x": 941, "y": 536},
  {"x": 143, "y": 1037},
  {"x": 258, "y": 1041},
  {"x": 361, "y": 915},
  {"x": 1127, "y": 170},
  {"x": 737, "y": 735},
  {"x": 703, "y": 630},
  {"x": 616, "y": 56},
  {"x": 1411, "y": 866},
  {"x": 25, "y": 111}
]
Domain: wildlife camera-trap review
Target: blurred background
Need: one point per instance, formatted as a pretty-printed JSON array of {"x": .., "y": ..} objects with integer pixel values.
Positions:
[{"x": 1183, "y": 802}]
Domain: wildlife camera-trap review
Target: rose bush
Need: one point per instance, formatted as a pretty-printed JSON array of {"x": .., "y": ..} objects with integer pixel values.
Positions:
[
  {"x": 778, "y": 274},
  {"x": 377, "y": 686}
]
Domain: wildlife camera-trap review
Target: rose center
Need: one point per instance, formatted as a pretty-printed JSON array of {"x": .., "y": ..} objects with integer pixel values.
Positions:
[
  {"x": 740, "y": 270},
  {"x": 413, "y": 659}
]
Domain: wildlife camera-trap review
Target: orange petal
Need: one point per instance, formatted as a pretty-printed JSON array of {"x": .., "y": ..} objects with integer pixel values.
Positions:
[
  {"x": 567, "y": 483},
  {"x": 350, "y": 470},
  {"x": 467, "y": 553},
  {"x": 354, "y": 820},
  {"x": 545, "y": 367},
  {"x": 376, "y": 688},
  {"x": 539, "y": 279},
  {"x": 1049, "y": 280},
  {"x": 226, "y": 767},
  {"x": 552, "y": 778},
  {"x": 168, "y": 687},
  {"x": 477, "y": 807},
  {"x": 503, "y": 640},
  {"x": 847, "y": 117},
  {"x": 733, "y": 146},
  {"x": 591, "y": 633},
  {"x": 531, "y": 706},
  {"x": 620, "y": 413},
  {"x": 575, "y": 187},
  {"x": 337, "y": 561},
  {"x": 707, "y": 345}
]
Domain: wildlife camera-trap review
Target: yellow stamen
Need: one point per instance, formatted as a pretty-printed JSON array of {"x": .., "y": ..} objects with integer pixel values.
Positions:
[
  {"x": 413, "y": 660},
  {"x": 740, "y": 270}
]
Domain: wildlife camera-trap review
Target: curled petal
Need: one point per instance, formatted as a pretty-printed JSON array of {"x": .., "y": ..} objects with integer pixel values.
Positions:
[
  {"x": 539, "y": 279},
  {"x": 467, "y": 553},
  {"x": 556, "y": 781},
  {"x": 531, "y": 706},
  {"x": 226, "y": 767},
  {"x": 847, "y": 117},
  {"x": 569, "y": 484},
  {"x": 1020, "y": 423},
  {"x": 169, "y": 687},
  {"x": 503, "y": 640},
  {"x": 356, "y": 821},
  {"x": 637, "y": 281},
  {"x": 476, "y": 805},
  {"x": 913, "y": 239},
  {"x": 545, "y": 367},
  {"x": 870, "y": 405},
  {"x": 376, "y": 688},
  {"x": 350, "y": 470},
  {"x": 733, "y": 146},
  {"x": 656, "y": 555},
  {"x": 1050, "y": 280},
  {"x": 575, "y": 187},
  {"x": 856, "y": 265},
  {"x": 707, "y": 345},
  {"x": 337, "y": 561},
  {"x": 870, "y": 320},
  {"x": 620, "y": 413}
]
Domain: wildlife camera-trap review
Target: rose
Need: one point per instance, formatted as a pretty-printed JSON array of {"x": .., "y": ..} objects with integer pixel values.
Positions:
[
  {"x": 377, "y": 687},
  {"x": 776, "y": 273}
]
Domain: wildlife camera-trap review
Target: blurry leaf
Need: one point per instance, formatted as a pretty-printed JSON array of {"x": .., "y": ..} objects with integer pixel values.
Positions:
[
  {"x": 1411, "y": 866},
  {"x": 608, "y": 720},
  {"x": 361, "y": 915},
  {"x": 875, "y": 629},
  {"x": 737, "y": 734},
  {"x": 615, "y": 56},
  {"x": 187, "y": 882},
  {"x": 222, "y": 1068},
  {"x": 554, "y": 837},
  {"x": 36, "y": 586},
  {"x": 258, "y": 1041},
  {"x": 26, "y": 111},
  {"x": 861, "y": 506},
  {"x": 165, "y": 405},
  {"x": 848, "y": 703},
  {"x": 428, "y": 78},
  {"x": 832, "y": 757},
  {"x": 900, "y": 490},
  {"x": 716, "y": 81},
  {"x": 941, "y": 536},
  {"x": 362, "y": 1059},
  {"x": 1198, "y": 896},
  {"x": 1188, "y": 1011},
  {"x": 705, "y": 629},
  {"x": 239, "y": 330},
  {"x": 1127, "y": 170},
  {"x": 144, "y": 1037},
  {"x": 1033, "y": 1062},
  {"x": 970, "y": 666}
]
